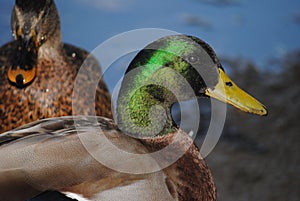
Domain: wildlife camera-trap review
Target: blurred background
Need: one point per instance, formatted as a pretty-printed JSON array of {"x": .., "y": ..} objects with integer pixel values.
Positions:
[{"x": 257, "y": 158}]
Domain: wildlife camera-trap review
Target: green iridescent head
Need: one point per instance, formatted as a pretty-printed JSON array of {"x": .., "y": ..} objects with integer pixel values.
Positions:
[{"x": 171, "y": 69}]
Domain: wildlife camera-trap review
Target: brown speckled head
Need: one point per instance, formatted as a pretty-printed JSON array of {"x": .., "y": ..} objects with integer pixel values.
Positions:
[{"x": 54, "y": 64}]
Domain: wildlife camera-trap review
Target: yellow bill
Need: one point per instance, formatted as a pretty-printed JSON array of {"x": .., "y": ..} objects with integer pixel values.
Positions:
[
  {"x": 228, "y": 92},
  {"x": 20, "y": 76}
]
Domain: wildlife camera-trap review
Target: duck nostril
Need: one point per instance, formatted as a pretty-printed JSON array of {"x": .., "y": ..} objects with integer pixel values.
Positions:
[{"x": 229, "y": 84}]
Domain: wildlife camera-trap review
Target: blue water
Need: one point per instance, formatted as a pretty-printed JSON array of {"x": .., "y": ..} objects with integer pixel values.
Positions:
[{"x": 255, "y": 30}]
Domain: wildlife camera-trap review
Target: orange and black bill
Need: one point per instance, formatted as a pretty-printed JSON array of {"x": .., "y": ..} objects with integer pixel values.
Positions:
[
  {"x": 23, "y": 69},
  {"x": 228, "y": 92}
]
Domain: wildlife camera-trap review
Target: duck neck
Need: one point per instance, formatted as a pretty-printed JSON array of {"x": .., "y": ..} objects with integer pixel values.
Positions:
[
  {"x": 142, "y": 113},
  {"x": 148, "y": 91}
]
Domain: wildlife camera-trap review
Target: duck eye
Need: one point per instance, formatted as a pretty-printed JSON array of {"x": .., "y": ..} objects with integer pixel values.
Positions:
[
  {"x": 42, "y": 40},
  {"x": 192, "y": 59}
]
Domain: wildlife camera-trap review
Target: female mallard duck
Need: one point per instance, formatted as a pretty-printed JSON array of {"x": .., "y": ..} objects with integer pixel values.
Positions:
[
  {"x": 38, "y": 71},
  {"x": 71, "y": 154}
]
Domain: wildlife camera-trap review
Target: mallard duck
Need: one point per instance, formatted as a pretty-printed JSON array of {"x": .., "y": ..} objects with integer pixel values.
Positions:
[
  {"x": 92, "y": 158},
  {"x": 38, "y": 71}
]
